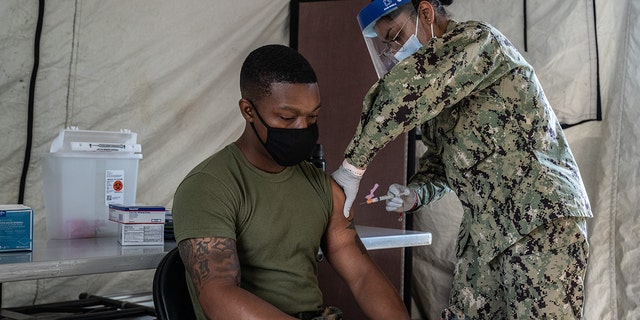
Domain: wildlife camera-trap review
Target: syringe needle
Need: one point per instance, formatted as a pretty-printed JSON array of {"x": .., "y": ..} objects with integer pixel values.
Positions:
[{"x": 377, "y": 199}]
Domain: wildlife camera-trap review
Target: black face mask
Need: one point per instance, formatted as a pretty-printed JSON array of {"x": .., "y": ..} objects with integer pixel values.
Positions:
[{"x": 288, "y": 147}]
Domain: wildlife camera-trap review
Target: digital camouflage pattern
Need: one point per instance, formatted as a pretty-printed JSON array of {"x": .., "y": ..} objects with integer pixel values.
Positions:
[
  {"x": 490, "y": 133},
  {"x": 553, "y": 271}
]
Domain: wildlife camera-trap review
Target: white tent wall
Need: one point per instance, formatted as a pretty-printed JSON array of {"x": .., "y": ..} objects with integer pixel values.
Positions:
[
  {"x": 168, "y": 70},
  {"x": 618, "y": 203}
]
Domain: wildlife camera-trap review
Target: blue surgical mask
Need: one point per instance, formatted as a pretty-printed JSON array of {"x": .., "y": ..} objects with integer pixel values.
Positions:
[{"x": 411, "y": 46}]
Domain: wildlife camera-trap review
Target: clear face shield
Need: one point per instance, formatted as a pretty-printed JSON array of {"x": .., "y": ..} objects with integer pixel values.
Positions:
[{"x": 389, "y": 28}]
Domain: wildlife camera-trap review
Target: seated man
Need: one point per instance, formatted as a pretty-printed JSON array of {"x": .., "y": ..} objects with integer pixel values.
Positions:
[{"x": 249, "y": 220}]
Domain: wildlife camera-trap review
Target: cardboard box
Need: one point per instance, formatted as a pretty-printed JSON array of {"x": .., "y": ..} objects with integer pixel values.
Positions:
[
  {"x": 137, "y": 234},
  {"x": 16, "y": 228},
  {"x": 136, "y": 214}
]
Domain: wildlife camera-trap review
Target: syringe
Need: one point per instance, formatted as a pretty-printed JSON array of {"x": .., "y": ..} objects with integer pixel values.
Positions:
[{"x": 377, "y": 199}]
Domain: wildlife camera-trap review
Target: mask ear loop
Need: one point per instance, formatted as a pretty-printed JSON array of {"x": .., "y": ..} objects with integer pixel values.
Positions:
[{"x": 433, "y": 35}]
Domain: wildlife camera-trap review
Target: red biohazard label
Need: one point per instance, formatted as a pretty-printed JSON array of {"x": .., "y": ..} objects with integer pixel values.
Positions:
[{"x": 118, "y": 185}]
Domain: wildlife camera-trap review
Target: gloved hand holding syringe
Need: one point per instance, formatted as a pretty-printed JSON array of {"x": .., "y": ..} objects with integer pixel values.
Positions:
[{"x": 399, "y": 198}]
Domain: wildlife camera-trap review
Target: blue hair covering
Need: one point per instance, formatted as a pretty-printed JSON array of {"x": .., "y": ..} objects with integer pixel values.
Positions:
[{"x": 377, "y": 9}]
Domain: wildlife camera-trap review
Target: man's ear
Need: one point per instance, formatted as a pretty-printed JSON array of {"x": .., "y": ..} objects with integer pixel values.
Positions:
[{"x": 245, "y": 109}]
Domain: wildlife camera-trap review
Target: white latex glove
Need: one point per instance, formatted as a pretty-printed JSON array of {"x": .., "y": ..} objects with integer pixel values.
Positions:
[
  {"x": 348, "y": 178},
  {"x": 404, "y": 198}
]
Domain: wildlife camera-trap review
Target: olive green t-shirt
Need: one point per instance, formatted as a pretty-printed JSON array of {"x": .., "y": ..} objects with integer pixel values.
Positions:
[{"x": 277, "y": 221}]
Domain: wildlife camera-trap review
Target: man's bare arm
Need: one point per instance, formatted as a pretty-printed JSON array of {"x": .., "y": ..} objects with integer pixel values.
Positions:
[
  {"x": 214, "y": 268},
  {"x": 374, "y": 293},
  {"x": 196, "y": 254}
]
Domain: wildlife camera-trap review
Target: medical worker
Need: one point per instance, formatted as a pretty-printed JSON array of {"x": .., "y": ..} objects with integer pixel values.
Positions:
[{"x": 493, "y": 139}]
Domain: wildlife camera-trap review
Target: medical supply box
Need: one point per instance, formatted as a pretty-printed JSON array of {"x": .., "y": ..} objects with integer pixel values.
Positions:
[
  {"x": 136, "y": 213},
  {"x": 84, "y": 172},
  {"x": 138, "y": 224},
  {"x": 16, "y": 228},
  {"x": 140, "y": 234}
]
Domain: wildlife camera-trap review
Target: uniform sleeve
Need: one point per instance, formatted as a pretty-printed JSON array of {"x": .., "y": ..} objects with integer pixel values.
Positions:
[
  {"x": 430, "y": 181},
  {"x": 443, "y": 72}
]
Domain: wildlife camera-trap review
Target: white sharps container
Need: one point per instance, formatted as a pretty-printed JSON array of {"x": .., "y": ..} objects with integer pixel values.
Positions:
[{"x": 83, "y": 173}]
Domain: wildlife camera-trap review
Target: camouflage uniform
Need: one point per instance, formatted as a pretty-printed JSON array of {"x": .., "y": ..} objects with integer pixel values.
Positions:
[{"x": 491, "y": 137}]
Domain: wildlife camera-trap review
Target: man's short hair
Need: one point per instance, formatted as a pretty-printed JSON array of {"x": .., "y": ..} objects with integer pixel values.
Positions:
[{"x": 273, "y": 64}]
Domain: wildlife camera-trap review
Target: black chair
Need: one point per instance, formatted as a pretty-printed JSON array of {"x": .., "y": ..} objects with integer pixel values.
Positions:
[{"x": 170, "y": 293}]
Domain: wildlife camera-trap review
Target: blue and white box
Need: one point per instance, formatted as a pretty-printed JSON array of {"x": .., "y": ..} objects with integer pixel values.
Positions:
[
  {"x": 138, "y": 224},
  {"x": 16, "y": 228},
  {"x": 136, "y": 213}
]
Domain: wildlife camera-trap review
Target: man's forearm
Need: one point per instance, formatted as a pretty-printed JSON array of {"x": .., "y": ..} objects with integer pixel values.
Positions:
[
  {"x": 377, "y": 297},
  {"x": 232, "y": 302}
]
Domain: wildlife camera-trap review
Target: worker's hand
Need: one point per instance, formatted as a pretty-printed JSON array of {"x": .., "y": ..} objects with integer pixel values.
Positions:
[
  {"x": 349, "y": 181},
  {"x": 404, "y": 198}
]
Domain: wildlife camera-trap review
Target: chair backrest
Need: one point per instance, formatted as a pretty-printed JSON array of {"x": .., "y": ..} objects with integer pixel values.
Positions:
[{"x": 170, "y": 292}]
